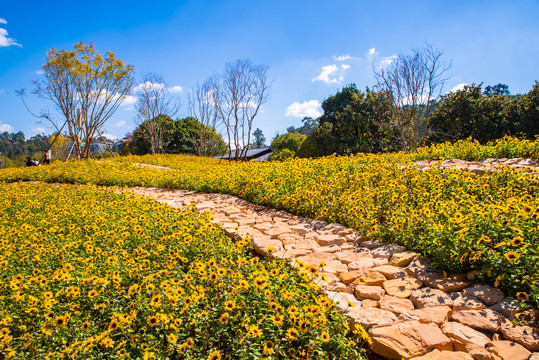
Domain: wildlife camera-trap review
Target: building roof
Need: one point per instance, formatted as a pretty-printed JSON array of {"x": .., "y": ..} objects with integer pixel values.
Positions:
[{"x": 258, "y": 154}]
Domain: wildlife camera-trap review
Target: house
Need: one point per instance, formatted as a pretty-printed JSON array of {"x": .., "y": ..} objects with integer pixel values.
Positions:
[{"x": 252, "y": 154}]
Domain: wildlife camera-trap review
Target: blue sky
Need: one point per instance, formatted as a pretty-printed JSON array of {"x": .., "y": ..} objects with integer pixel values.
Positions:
[{"x": 313, "y": 48}]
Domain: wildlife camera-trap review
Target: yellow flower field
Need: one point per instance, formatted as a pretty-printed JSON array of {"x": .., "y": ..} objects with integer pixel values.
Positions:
[
  {"x": 460, "y": 220},
  {"x": 92, "y": 274}
]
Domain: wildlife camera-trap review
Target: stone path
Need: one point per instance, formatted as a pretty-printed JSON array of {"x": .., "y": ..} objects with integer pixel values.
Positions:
[
  {"x": 481, "y": 167},
  {"x": 409, "y": 310}
]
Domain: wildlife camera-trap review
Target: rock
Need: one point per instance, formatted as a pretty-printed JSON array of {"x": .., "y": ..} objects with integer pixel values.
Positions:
[
  {"x": 344, "y": 301},
  {"x": 524, "y": 335},
  {"x": 369, "y": 292},
  {"x": 339, "y": 286},
  {"x": 386, "y": 251},
  {"x": 369, "y": 303},
  {"x": 484, "y": 319},
  {"x": 317, "y": 257},
  {"x": 274, "y": 232},
  {"x": 335, "y": 267},
  {"x": 300, "y": 229},
  {"x": 427, "y": 297},
  {"x": 330, "y": 248},
  {"x": 535, "y": 356},
  {"x": 371, "y": 244},
  {"x": 366, "y": 263},
  {"x": 508, "y": 307},
  {"x": 486, "y": 293},
  {"x": 401, "y": 287},
  {"x": 508, "y": 350},
  {"x": 351, "y": 256},
  {"x": 464, "y": 334},
  {"x": 402, "y": 259},
  {"x": 465, "y": 302},
  {"x": 291, "y": 254},
  {"x": 448, "y": 284},
  {"x": 477, "y": 352},
  {"x": 395, "y": 304},
  {"x": 369, "y": 277},
  {"x": 408, "y": 339},
  {"x": 326, "y": 240},
  {"x": 445, "y": 355},
  {"x": 370, "y": 316},
  {"x": 391, "y": 272},
  {"x": 349, "y": 276},
  {"x": 436, "y": 314},
  {"x": 419, "y": 267},
  {"x": 263, "y": 243}
]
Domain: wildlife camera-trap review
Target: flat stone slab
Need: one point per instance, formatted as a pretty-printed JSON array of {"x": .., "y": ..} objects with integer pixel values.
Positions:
[
  {"x": 445, "y": 355},
  {"x": 428, "y": 297},
  {"x": 508, "y": 350},
  {"x": 464, "y": 334},
  {"x": 408, "y": 339},
  {"x": 395, "y": 304},
  {"x": 508, "y": 307},
  {"x": 524, "y": 335},
  {"x": 391, "y": 272},
  {"x": 369, "y": 292},
  {"x": 402, "y": 259},
  {"x": 370, "y": 316},
  {"x": 462, "y": 301},
  {"x": 436, "y": 314},
  {"x": 484, "y": 319},
  {"x": 326, "y": 240},
  {"x": 486, "y": 293},
  {"x": 368, "y": 277},
  {"x": 401, "y": 287}
]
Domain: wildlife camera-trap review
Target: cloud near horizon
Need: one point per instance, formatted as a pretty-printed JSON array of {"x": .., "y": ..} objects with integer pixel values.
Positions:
[
  {"x": 458, "y": 87},
  {"x": 6, "y": 41},
  {"x": 6, "y": 127},
  {"x": 310, "y": 108},
  {"x": 330, "y": 74}
]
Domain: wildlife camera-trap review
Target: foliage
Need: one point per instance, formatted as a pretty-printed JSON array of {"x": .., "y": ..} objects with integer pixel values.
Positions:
[
  {"x": 18, "y": 147},
  {"x": 309, "y": 126},
  {"x": 86, "y": 89},
  {"x": 285, "y": 146},
  {"x": 353, "y": 121},
  {"x": 468, "y": 113},
  {"x": 92, "y": 274},
  {"x": 183, "y": 137},
  {"x": 260, "y": 139},
  {"x": 460, "y": 220}
]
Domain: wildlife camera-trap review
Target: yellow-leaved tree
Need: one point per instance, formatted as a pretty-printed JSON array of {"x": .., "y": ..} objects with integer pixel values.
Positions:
[{"x": 86, "y": 89}]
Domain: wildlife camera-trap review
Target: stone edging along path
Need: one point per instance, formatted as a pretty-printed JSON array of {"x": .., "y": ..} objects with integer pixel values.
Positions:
[{"x": 409, "y": 310}]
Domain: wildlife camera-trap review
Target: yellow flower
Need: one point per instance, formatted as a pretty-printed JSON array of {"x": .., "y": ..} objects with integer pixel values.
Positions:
[
  {"x": 325, "y": 337},
  {"x": 511, "y": 256}
]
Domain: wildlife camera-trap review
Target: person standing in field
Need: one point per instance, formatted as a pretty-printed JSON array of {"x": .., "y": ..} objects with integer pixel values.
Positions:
[{"x": 48, "y": 157}]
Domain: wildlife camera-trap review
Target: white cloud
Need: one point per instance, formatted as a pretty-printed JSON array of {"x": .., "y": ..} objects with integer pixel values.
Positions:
[
  {"x": 39, "y": 72},
  {"x": 1, "y": 91},
  {"x": 38, "y": 130},
  {"x": 309, "y": 108},
  {"x": 175, "y": 89},
  {"x": 6, "y": 127},
  {"x": 6, "y": 41},
  {"x": 148, "y": 86},
  {"x": 372, "y": 52},
  {"x": 109, "y": 136},
  {"x": 386, "y": 61},
  {"x": 128, "y": 102},
  {"x": 331, "y": 74},
  {"x": 458, "y": 87},
  {"x": 121, "y": 123},
  {"x": 344, "y": 58}
]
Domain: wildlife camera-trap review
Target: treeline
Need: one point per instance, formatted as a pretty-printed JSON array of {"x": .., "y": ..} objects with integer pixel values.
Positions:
[
  {"x": 181, "y": 136},
  {"x": 367, "y": 121},
  {"x": 16, "y": 147}
]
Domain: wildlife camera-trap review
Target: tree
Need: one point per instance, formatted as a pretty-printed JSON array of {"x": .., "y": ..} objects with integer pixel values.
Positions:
[
  {"x": 260, "y": 139},
  {"x": 353, "y": 121},
  {"x": 285, "y": 146},
  {"x": 59, "y": 147},
  {"x": 499, "y": 89},
  {"x": 238, "y": 95},
  {"x": 413, "y": 82},
  {"x": 86, "y": 90},
  {"x": 155, "y": 103},
  {"x": 203, "y": 107}
]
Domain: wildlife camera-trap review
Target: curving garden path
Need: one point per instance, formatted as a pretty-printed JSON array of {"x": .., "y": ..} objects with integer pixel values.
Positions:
[{"x": 409, "y": 310}]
